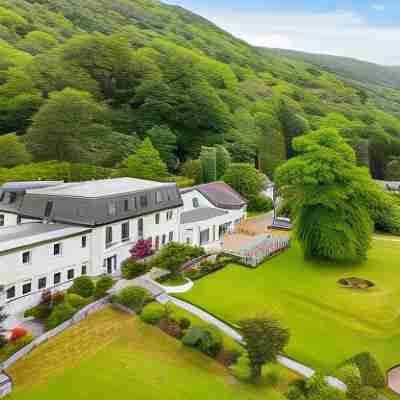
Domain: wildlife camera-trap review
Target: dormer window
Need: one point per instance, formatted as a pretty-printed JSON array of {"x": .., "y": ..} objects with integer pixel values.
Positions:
[
  {"x": 195, "y": 202},
  {"x": 159, "y": 197},
  {"x": 12, "y": 197},
  {"x": 111, "y": 209},
  {"x": 48, "y": 209},
  {"x": 126, "y": 205},
  {"x": 143, "y": 201}
]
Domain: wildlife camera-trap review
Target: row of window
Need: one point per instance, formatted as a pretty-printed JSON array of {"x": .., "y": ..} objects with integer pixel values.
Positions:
[
  {"x": 2, "y": 219},
  {"x": 56, "y": 251},
  {"x": 169, "y": 215},
  {"x": 42, "y": 282},
  {"x": 139, "y": 202},
  {"x": 8, "y": 197},
  {"x": 222, "y": 229}
]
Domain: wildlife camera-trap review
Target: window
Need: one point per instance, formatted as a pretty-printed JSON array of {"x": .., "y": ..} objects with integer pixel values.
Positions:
[
  {"x": 164, "y": 239},
  {"x": 2, "y": 196},
  {"x": 157, "y": 219},
  {"x": 48, "y": 209},
  {"x": 157, "y": 243},
  {"x": 134, "y": 203},
  {"x": 111, "y": 209},
  {"x": 126, "y": 205},
  {"x": 2, "y": 220},
  {"x": 109, "y": 236},
  {"x": 10, "y": 293},
  {"x": 26, "y": 288},
  {"x": 84, "y": 242},
  {"x": 140, "y": 228},
  {"x": 204, "y": 236},
  {"x": 57, "y": 278},
  {"x": 171, "y": 236},
  {"x": 42, "y": 283},
  {"x": 12, "y": 197},
  {"x": 125, "y": 231},
  {"x": 26, "y": 257},
  {"x": 70, "y": 274},
  {"x": 84, "y": 269},
  {"x": 143, "y": 201},
  {"x": 57, "y": 249},
  {"x": 159, "y": 197},
  {"x": 195, "y": 202},
  {"x": 19, "y": 220},
  {"x": 169, "y": 215}
]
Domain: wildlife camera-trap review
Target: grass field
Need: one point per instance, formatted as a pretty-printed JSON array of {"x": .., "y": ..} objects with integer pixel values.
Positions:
[
  {"x": 112, "y": 355},
  {"x": 328, "y": 323}
]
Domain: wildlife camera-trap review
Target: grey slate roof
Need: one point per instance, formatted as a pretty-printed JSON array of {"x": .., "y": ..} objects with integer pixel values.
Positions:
[
  {"x": 201, "y": 214},
  {"x": 89, "y": 203},
  {"x": 220, "y": 195},
  {"x": 30, "y": 233},
  {"x": 24, "y": 186}
]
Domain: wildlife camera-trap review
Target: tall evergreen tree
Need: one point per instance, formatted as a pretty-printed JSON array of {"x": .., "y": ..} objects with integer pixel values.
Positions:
[
  {"x": 208, "y": 158},
  {"x": 223, "y": 160},
  {"x": 164, "y": 140}
]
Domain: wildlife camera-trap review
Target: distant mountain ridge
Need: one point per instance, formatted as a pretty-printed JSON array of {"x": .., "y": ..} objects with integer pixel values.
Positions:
[{"x": 348, "y": 68}]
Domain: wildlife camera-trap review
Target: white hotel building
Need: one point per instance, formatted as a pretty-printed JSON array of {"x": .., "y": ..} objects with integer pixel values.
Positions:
[{"x": 53, "y": 232}]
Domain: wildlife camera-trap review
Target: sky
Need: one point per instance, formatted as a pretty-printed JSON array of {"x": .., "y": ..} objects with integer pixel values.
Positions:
[{"x": 365, "y": 29}]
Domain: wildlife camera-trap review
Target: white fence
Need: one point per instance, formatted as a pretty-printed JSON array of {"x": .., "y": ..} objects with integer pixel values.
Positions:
[{"x": 79, "y": 316}]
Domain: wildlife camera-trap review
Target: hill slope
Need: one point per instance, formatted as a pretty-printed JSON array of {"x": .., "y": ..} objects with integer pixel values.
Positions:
[
  {"x": 349, "y": 68},
  {"x": 132, "y": 65}
]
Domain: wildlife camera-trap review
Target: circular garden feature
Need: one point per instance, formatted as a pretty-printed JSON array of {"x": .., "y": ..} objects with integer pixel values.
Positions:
[{"x": 356, "y": 283}]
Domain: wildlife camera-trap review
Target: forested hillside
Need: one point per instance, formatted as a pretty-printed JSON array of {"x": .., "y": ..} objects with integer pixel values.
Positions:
[{"x": 86, "y": 81}]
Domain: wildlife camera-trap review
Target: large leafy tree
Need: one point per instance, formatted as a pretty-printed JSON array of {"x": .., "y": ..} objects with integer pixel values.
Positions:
[
  {"x": 57, "y": 127},
  {"x": 164, "y": 140},
  {"x": 245, "y": 179},
  {"x": 13, "y": 151},
  {"x": 329, "y": 194},
  {"x": 265, "y": 338},
  {"x": 146, "y": 163}
]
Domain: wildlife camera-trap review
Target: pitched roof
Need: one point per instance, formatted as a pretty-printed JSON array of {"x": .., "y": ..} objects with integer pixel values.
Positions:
[
  {"x": 201, "y": 214},
  {"x": 220, "y": 194}
]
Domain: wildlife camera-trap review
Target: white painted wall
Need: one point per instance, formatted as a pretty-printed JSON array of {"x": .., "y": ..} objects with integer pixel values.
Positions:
[
  {"x": 43, "y": 263},
  {"x": 10, "y": 219}
]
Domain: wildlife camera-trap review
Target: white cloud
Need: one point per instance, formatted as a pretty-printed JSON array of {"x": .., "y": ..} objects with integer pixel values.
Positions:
[
  {"x": 378, "y": 7},
  {"x": 340, "y": 33}
]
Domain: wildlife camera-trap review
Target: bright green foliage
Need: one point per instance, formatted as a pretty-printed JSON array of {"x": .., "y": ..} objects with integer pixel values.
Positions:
[
  {"x": 393, "y": 170},
  {"x": 350, "y": 375},
  {"x": 371, "y": 373},
  {"x": 362, "y": 152},
  {"x": 61, "y": 313},
  {"x": 316, "y": 388},
  {"x": 208, "y": 158},
  {"x": 245, "y": 179},
  {"x": 192, "y": 169},
  {"x": 131, "y": 268},
  {"x": 103, "y": 285},
  {"x": 77, "y": 301},
  {"x": 134, "y": 298},
  {"x": 82, "y": 286},
  {"x": 223, "y": 160},
  {"x": 153, "y": 313},
  {"x": 174, "y": 255},
  {"x": 56, "y": 129},
  {"x": 164, "y": 140},
  {"x": 145, "y": 163},
  {"x": 265, "y": 338},
  {"x": 36, "y": 42},
  {"x": 260, "y": 203},
  {"x": 205, "y": 338},
  {"x": 13, "y": 151},
  {"x": 327, "y": 191}
]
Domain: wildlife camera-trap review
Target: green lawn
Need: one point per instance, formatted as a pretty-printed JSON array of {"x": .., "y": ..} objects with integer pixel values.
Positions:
[
  {"x": 112, "y": 355},
  {"x": 328, "y": 323}
]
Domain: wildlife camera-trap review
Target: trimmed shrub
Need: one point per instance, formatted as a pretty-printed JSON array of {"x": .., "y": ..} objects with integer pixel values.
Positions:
[
  {"x": 132, "y": 269},
  {"x": 368, "y": 393},
  {"x": 13, "y": 346},
  {"x": 83, "y": 286},
  {"x": 184, "y": 323},
  {"x": 77, "y": 301},
  {"x": 61, "y": 313},
  {"x": 40, "y": 312},
  {"x": 17, "y": 333},
  {"x": 241, "y": 369},
  {"x": 153, "y": 313},
  {"x": 350, "y": 375},
  {"x": 371, "y": 373},
  {"x": 273, "y": 375},
  {"x": 261, "y": 203},
  {"x": 206, "y": 338},
  {"x": 134, "y": 298},
  {"x": 103, "y": 285},
  {"x": 294, "y": 393}
]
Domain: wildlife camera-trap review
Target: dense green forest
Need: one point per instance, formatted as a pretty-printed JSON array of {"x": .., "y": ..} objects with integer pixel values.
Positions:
[{"x": 86, "y": 81}]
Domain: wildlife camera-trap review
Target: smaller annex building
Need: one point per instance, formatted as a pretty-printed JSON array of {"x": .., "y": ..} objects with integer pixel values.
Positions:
[{"x": 53, "y": 232}]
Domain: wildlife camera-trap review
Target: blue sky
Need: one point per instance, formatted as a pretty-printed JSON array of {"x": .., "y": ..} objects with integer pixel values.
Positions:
[{"x": 364, "y": 29}]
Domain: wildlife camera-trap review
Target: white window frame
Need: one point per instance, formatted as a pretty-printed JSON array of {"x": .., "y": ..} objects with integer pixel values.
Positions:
[
  {"x": 61, "y": 249},
  {"x": 29, "y": 258}
]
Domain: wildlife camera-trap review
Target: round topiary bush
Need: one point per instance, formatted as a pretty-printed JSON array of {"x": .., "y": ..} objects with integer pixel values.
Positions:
[
  {"x": 153, "y": 313},
  {"x": 76, "y": 301},
  {"x": 134, "y": 298},
  {"x": 61, "y": 313},
  {"x": 132, "y": 269},
  {"x": 356, "y": 283},
  {"x": 83, "y": 286},
  {"x": 103, "y": 285}
]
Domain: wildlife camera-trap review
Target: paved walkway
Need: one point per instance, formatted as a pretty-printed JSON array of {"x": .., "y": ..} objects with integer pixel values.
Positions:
[
  {"x": 205, "y": 316},
  {"x": 394, "y": 380}
]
